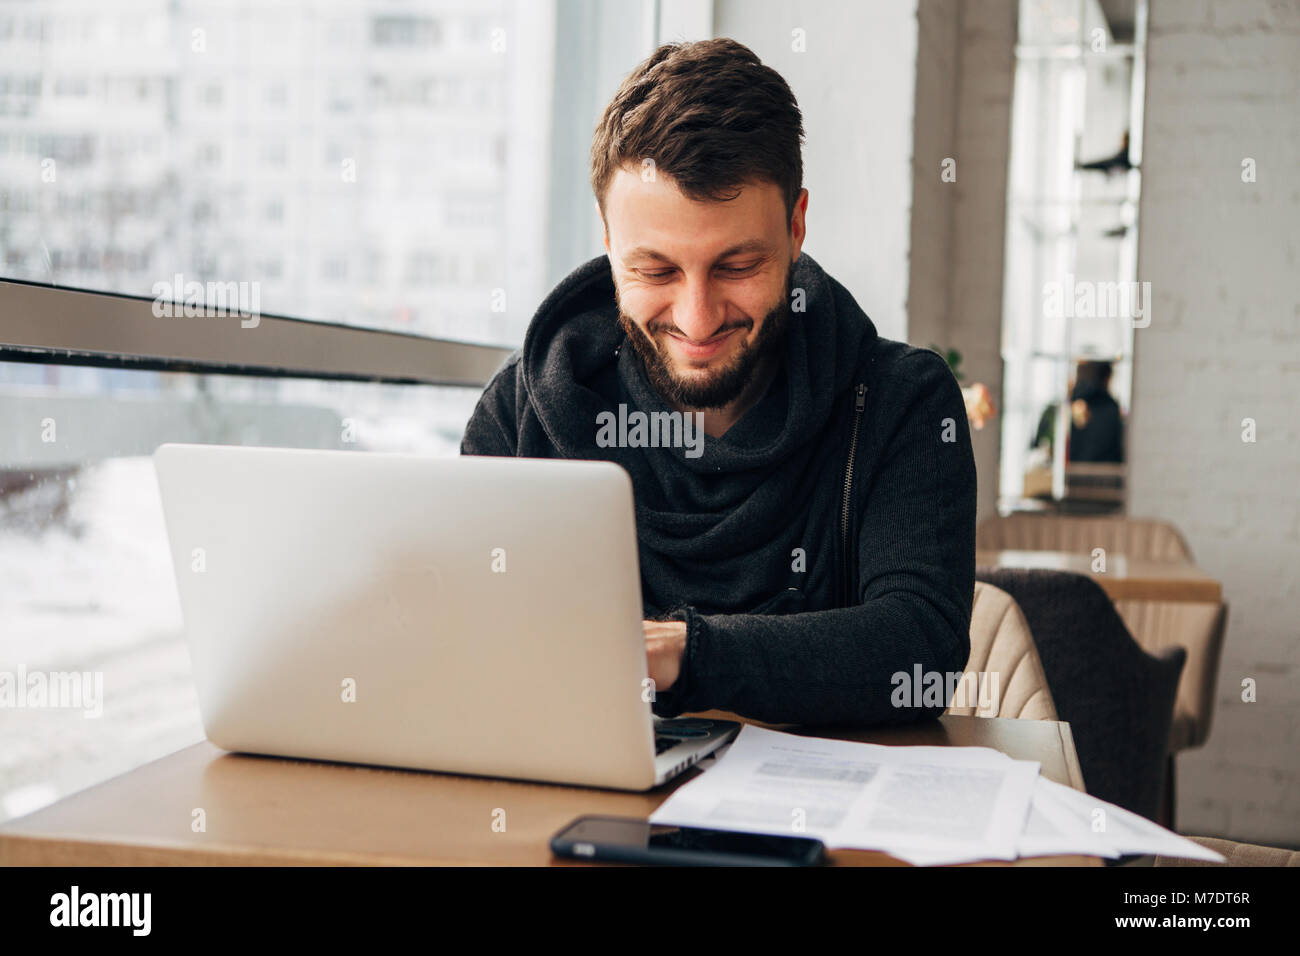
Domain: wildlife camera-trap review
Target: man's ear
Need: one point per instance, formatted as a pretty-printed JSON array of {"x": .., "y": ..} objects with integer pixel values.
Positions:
[
  {"x": 798, "y": 224},
  {"x": 604, "y": 228}
]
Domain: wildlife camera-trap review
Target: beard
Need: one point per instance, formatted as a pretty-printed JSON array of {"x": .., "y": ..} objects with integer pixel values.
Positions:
[{"x": 711, "y": 388}]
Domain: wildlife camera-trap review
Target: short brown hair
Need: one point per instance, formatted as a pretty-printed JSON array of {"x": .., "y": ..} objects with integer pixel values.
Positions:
[{"x": 710, "y": 115}]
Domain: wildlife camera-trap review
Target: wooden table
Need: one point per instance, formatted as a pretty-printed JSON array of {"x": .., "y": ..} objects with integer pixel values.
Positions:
[
  {"x": 1125, "y": 578},
  {"x": 265, "y": 810}
]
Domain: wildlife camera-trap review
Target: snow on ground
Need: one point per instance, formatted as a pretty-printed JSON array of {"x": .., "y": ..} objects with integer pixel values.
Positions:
[{"x": 91, "y": 592}]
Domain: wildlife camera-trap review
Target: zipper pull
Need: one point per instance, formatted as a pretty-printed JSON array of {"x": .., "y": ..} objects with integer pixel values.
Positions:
[{"x": 862, "y": 398}]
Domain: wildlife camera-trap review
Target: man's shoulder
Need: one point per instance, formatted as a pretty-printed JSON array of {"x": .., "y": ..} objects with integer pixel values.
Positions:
[
  {"x": 901, "y": 366},
  {"x": 505, "y": 379},
  {"x": 493, "y": 426}
]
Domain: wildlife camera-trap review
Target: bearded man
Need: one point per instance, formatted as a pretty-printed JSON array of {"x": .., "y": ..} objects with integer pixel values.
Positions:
[{"x": 821, "y": 542}]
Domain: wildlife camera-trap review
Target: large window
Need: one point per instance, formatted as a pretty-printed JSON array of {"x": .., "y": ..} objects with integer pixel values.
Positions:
[
  {"x": 369, "y": 166},
  {"x": 1072, "y": 300}
]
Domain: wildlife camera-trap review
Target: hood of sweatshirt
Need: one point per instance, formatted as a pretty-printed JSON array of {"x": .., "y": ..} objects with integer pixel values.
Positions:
[{"x": 708, "y": 508}]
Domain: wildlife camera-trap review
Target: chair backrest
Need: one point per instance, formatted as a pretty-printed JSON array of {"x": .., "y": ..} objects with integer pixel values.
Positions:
[
  {"x": 1197, "y": 627},
  {"x": 1118, "y": 699},
  {"x": 1135, "y": 537},
  {"x": 1004, "y": 676}
]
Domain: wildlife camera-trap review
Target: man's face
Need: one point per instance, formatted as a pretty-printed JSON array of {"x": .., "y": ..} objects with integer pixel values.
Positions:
[{"x": 702, "y": 287}]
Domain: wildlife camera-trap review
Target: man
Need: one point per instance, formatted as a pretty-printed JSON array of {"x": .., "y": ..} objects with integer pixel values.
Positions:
[
  {"x": 821, "y": 541},
  {"x": 1096, "y": 423}
]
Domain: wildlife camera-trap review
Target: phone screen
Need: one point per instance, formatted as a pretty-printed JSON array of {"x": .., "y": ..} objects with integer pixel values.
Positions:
[{"x": 589, "y": 835}]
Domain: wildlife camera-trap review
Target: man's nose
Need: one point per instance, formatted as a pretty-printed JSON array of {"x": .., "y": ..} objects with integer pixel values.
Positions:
[{"x": 698, "y": 314}]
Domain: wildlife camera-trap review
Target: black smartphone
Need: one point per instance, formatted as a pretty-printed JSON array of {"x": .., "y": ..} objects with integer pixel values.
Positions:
[{"x": 629, "y": 840}]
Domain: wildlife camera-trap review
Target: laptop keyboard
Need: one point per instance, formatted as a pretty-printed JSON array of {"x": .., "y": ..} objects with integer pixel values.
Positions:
[{"x": 679, "y": 731}]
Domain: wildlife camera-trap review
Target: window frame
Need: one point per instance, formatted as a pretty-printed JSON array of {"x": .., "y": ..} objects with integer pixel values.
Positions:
[{"x": 66, "y": 326}]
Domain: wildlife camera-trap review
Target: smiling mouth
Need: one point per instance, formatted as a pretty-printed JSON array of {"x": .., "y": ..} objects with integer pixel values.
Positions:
[{"x": 705, "y": 349}]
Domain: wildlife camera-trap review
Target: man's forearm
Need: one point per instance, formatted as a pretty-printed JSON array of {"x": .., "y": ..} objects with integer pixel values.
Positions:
[{"x": 818, "y": 667}]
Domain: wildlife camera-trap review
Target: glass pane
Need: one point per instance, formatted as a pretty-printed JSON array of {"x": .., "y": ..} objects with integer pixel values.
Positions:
[
  {"x": 349, "y": 161},
  {"x": 89, "y": 587}
]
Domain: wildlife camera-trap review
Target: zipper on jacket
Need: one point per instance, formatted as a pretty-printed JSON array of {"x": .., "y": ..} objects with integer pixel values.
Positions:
[{"x": 859, "y": 403}]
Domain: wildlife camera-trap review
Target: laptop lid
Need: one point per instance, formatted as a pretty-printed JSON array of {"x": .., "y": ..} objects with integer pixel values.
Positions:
[{"x": 473, "y": 615}]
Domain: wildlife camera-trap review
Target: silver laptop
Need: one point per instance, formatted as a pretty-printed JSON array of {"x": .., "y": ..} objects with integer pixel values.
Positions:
[{"x": 467, "y": 615}]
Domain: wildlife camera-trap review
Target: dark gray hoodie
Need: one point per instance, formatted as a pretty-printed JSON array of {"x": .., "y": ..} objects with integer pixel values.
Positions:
[{"x": 799, "y": 609}]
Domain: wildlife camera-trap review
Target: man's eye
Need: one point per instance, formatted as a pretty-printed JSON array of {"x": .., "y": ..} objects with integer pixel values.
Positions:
[
  {"x": 656, "y": 275},
  {"x": 737, "y": 270}
]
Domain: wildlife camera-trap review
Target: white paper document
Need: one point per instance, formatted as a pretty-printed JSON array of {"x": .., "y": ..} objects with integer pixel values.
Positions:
[
  {"x": 969, "y": 801},
  {"x": 1123, "y": 831},
  {"x": 924, "y": 805}
]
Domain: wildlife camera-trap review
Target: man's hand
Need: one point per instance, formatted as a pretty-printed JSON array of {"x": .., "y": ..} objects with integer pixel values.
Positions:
[{"x": 665, "y": 642}]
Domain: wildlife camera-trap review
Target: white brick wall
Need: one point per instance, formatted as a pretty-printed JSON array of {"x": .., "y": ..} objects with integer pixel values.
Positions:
[{"x": 1223, "y": 83}]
